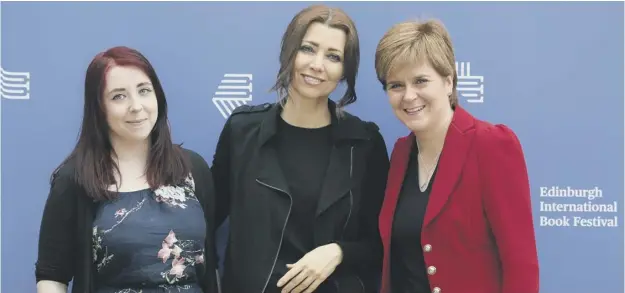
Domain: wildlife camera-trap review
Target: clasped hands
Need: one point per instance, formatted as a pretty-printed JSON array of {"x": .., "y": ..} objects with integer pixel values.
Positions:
[{"x": 311, "y": 270}]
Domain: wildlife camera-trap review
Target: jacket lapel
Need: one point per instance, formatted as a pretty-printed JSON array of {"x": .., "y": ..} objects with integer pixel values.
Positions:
[
  {"x": 455, "y": 150},
  {"x": 399, "y": 164},
  {"x": 346, "y": 132},
  {"x": 269, "y": 170},
  {"x": 337, "y": 182}
]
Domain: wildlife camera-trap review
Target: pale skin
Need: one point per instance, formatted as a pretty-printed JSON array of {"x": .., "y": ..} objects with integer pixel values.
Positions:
[
  {"x": 131, "y": 112},
  {"x": 45, "y": 286},
  {"x": 417, "y": 85},
  {"x": 317, "y": 71}
]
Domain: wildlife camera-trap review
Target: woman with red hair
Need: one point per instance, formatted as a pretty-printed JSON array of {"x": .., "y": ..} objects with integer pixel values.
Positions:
[{"x": 127, "y": 209}]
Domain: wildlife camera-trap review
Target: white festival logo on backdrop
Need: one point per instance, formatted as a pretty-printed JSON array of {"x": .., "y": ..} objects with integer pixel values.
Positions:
[
  {"x": 234, "y": 90},
  {"x": 470, "y": 87},
  {"x": 14, "y": 85}
]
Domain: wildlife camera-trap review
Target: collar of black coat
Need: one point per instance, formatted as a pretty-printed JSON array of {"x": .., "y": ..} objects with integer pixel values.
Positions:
[{"x": 344, "y": 128}]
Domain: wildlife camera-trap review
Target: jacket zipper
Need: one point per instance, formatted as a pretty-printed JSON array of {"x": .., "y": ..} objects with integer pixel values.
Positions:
[
  {"x": 281, "y": 236},
  {"x": 351, "y": 196},
  {"x": 218, "y": 280}
]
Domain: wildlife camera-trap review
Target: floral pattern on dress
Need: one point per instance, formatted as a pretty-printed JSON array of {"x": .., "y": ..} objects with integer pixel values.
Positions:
[
  {"x": 101, "y": 255},
  {"x": 168, "y": 288},
  {"x": 177, "y": 255},
  {"x": 182, "y": 254},
  {"x": 177, "y": 195}
]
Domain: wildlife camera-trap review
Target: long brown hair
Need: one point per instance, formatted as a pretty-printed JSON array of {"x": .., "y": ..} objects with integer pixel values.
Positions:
[
  {"x": 292, "y": 40},
  {"x": 92, "y": 155}
]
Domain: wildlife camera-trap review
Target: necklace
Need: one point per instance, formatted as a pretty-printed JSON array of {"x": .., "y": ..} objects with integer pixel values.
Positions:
[{"x": 429, "y": 171}]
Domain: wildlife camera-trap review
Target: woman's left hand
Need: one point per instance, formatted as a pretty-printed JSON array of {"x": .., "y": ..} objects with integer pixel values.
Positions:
[{"x": 312, "y": 269}]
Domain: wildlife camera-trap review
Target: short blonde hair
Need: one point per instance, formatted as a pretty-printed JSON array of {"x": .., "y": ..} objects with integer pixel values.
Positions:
[{"x": 416, "y": 41}]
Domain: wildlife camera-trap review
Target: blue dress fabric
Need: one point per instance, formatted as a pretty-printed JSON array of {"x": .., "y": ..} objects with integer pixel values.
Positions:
[{"x": 149, "y": 241}]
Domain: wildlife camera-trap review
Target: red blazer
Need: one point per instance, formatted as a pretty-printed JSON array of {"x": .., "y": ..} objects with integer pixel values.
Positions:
[{"x": 478, "y": 233}]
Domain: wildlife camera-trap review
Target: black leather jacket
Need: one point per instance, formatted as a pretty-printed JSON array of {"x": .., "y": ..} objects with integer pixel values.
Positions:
[{"x": 251, "y": 191}]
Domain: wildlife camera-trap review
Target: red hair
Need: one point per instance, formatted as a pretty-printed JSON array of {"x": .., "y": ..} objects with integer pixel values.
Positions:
[{"x": 91, "y": 157}]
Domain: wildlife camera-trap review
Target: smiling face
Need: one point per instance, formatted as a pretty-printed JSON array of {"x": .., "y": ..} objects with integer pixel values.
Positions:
[
  {"x": 419, "y": 96},
  {"x": 318, "y": 66},
  {"x": 130, "y": 104},
  {"x": 415, "y": 63}
]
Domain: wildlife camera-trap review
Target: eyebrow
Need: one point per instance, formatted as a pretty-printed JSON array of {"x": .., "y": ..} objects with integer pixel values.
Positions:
[
  {"x": 414, "y": 77},
  {"x": 329, "y": 49},
  {"x": 122, "y": 89}
]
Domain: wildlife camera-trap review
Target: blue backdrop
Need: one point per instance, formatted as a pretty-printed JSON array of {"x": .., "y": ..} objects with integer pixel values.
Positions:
[{"x": 551, "y": 71}]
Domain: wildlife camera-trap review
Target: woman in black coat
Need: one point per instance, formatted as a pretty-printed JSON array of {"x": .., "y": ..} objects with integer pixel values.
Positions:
[{"x": 301, "y": 180}]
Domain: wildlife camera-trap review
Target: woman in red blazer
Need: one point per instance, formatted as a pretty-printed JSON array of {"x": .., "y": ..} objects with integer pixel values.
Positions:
[{"x": 457, "y": 215}]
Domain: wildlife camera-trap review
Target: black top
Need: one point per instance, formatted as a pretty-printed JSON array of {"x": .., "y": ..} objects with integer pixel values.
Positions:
[
  {"x": 408, "y": 269},
  {"x": 65, "y": 238},
  {"x": 303, "y": 154}
]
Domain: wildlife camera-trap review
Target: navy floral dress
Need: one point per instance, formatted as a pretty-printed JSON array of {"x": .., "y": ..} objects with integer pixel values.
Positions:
[{"x": 150, "y": 241}]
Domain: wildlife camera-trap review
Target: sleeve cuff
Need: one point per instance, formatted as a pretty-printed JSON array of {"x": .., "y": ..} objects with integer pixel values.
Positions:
[{"x": 350, "y": 252}]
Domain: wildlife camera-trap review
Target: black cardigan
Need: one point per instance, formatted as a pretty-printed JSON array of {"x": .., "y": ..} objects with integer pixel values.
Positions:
[{"x": 65, "y": 236}]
